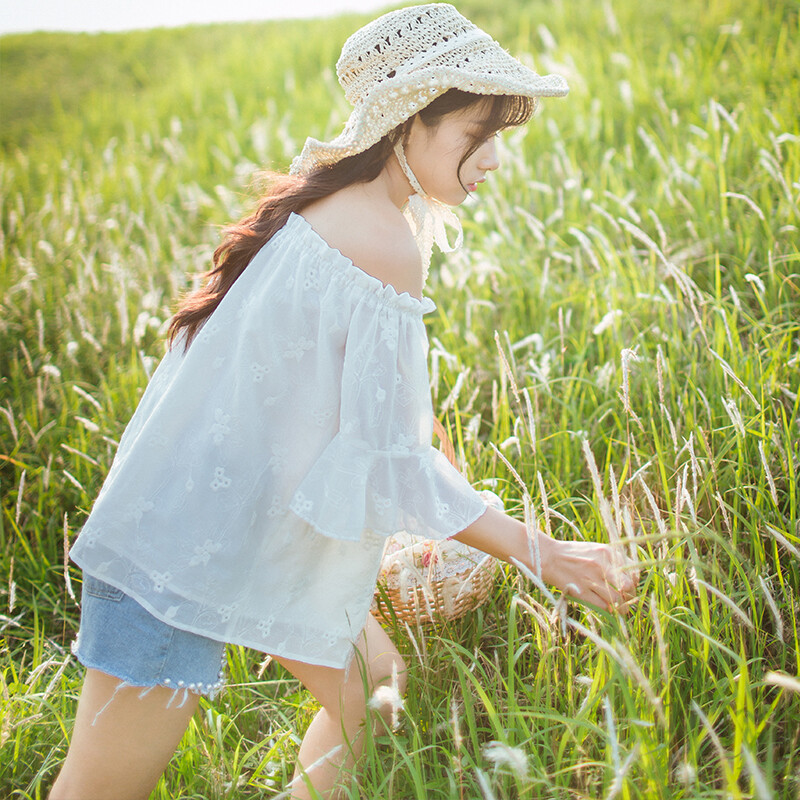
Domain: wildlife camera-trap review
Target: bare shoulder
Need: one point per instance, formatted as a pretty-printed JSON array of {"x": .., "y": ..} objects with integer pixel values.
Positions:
[
  {"x": 390, "y": 254},
  {"x": 376, "y": 239}
]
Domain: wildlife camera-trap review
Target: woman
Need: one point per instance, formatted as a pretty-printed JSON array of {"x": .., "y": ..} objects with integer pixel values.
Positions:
[{"x": 288, "y": 429}]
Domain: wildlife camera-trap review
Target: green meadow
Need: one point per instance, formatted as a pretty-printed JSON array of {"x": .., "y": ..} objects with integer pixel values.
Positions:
[{"x": 615, "y": 350}]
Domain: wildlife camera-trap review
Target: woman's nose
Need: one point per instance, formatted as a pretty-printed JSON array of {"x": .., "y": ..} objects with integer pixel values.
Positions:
[{"x": 488, "y": 156}]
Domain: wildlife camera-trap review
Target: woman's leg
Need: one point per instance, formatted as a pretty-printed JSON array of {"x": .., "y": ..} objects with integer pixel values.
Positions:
[
  {"x": 334, "y": 740},
  {"x": 122, "y": 741}
]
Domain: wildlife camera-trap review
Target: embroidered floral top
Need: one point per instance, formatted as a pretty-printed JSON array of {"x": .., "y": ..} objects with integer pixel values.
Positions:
[{"x": 254, "y": 486}]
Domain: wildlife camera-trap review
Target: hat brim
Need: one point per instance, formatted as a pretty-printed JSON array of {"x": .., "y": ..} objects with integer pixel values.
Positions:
[{"x": 392, "y": 103}]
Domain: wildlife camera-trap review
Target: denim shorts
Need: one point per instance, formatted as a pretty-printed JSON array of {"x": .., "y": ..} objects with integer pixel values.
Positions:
[{"x": 119, "y": 637}]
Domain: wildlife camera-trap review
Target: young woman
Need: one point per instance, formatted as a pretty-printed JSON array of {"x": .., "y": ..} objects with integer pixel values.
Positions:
[{"x": 287, "y": 432}]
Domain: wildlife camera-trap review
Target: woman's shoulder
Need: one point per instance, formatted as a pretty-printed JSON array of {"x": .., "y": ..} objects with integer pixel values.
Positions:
[{"x": 375, "y": 237}]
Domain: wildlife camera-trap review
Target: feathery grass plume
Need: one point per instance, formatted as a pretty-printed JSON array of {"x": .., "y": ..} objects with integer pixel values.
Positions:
[
  {"x": 586, "y": 245},
  {"x": 630, "y": 533},
  {"x": 560, "y": 611},
  {"x": 636, "y": 672},
  {"x": 528, "y": 606},
  {"x": 682, "y": 280},
  {"x": 600, "y": 642},
  {"x": 662, "y": 647},
  {"x": 67, "y": 578},
  {"x": 485, "y": 787},
  {"x": 532, "y": 535},
  {"x": 612, "y": 482},
  {"x": 531, "y": 421},
  {"x": 73, "y": 480},
  {"x": 414, "y": 643},
  {"x": 564, "y": 520},
  {"x": 751, "y": 203},
  {"x": 721, "y": 314},
  {"x": 20, "y": 495},
  {"x": 721, "y": 596},
  {"x": 724, "y": 509},
  {"x": 62, "y": 666},
  {"x": 535, "y": 579},
  {"x": 714, "y": 736},
  {"x": 729, "y": 371},
  {"x": 682, "y": 495},
  {"x": 672, "y": 432},
  {"x": 627, "y": 356},
  {"x": 40, "y": 669},
  {"x": 662, "y": 235},
  {"x": 455, "y": 392},
  {"x": 770, "y": 480},
  {"x": 8, "y": 413},
  {"x": 93, "y": 461},
  {"x": 652, "y": 149},
  {"x": 587, "y": 682},
  {"x": 504, "y": 755},
  {"x": 545, "y": 505},
  {"x": 619, "y": 776},
  {"x": 86, "y": 396},
  {"x": 12, "y": 587},
  {"x": 509, "y": 467},
  {"x": 781, "y": 539},
  {"x": 605, "y": 509},
  {"x": 607, "y": 321},
  {"x": 651, "y": 500},
  {"x": 262, "y": 667},
  {"x": 458, "y": 743},
  {"x": 88, "y": 424},
  {"x": 685, "y": 773},
  {"x": 28, "y": 360},
  {"x": 620, "y": 768},
  {"x": 512, "y": 440},
  {"x": 709, "y": 457},
  {"x": 611, "y": 733},
  {"x": 762, "y": 790},
  {"x": 455, "y": 724},
  {"x": 772, "y": 607},
  {"x": 305, "y": 774},
  {"x": 695, "y": 465},
  {"x": 389, "y": 697},
  {"x": 507, "y": 367},
  {"x": 782, "y": 680}
]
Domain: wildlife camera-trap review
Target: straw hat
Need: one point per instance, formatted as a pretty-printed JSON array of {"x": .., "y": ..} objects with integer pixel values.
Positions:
[{"x": 396, "y": 65}]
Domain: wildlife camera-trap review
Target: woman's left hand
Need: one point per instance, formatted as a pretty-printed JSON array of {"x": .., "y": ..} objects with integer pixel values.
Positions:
[{"x": 601, "y": 575}]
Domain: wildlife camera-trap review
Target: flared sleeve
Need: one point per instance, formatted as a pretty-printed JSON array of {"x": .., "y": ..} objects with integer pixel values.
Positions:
[{"x": 380, "y": 471}]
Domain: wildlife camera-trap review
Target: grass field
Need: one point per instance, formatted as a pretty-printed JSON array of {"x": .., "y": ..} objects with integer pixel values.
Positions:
[{"x": 622, "y": 327}]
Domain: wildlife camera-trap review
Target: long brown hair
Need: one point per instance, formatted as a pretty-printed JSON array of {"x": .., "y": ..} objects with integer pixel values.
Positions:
[{"x": 292, "y": 193}]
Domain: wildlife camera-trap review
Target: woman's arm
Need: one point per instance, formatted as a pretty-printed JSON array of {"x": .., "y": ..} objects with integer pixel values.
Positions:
[{"x": 597, "y": 574}]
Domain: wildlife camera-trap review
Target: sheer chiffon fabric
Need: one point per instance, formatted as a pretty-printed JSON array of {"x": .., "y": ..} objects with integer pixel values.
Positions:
[{"x": 258, "y": 479}]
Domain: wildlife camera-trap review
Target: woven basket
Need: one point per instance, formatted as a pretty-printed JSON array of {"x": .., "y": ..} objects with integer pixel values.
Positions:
[{"x": 424, "y": 581}]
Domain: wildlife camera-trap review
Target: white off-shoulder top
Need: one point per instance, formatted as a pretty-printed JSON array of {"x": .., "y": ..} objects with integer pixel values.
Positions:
[{"x": 254, "y": 487}]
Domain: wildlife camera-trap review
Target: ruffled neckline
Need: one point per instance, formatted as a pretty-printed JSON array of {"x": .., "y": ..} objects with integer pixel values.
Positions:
[{"x": 385, "y": 293}]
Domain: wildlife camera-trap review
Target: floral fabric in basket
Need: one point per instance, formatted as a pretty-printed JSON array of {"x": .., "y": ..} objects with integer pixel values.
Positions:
[{"x": 424, "y": 580}]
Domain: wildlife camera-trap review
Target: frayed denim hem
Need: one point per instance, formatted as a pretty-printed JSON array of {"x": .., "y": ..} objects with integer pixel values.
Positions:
[{"x": 208, "y": 690}]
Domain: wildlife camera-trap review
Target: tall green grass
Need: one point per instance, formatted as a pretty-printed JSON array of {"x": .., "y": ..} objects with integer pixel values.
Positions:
[{"x": 622, "y": 327}]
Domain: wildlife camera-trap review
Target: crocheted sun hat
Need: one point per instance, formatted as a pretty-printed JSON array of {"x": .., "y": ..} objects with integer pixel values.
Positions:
[{"x": 396, "y": 65}]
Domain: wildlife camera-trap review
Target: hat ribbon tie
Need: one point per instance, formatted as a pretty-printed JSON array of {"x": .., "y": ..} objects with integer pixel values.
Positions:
[{"x": 429, "y": 218}]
